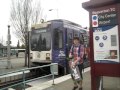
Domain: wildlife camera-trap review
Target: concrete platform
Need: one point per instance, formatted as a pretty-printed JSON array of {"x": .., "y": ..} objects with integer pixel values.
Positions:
[
  {"x": 66, "y": 83},
  {"x": 109, "y": 83},
  {"x": 15, "y": 64}
]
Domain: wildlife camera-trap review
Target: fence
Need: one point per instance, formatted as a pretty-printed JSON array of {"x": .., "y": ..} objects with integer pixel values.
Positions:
[{"x": 53, "y": 68}]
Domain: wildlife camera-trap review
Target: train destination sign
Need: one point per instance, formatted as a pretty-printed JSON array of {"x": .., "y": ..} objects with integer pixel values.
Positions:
[{"x": 104, "y": 17}]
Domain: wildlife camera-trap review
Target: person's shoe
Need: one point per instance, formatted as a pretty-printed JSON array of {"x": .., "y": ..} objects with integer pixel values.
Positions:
[
  {"x": 75, "y": 87},
  {"x": 80, "y": 88}
]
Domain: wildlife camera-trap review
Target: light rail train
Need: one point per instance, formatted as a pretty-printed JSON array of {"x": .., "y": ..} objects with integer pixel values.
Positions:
[{"x": 51, "y": 41}]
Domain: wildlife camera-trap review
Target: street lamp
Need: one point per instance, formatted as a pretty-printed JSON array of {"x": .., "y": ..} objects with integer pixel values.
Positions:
[
  {"x": 8, "y": 47},
  {"x": 56, "y": 11}
]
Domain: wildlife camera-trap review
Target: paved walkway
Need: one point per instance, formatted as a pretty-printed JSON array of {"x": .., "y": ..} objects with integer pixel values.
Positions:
[
  {"x": 109, "y": 83},
  {"x": 14, "y": 62},
  {"x": 68, "y": 84}
]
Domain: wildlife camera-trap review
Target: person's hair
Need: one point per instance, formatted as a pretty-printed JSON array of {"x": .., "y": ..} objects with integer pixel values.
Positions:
[{"x": 76, "y": 38}]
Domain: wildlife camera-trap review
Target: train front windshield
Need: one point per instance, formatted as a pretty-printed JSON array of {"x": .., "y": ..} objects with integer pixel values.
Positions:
[{"x": 40, "y": 40}]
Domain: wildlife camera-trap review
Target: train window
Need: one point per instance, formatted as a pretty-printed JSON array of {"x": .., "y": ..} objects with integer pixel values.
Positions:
[
  {"x": 40, "y": 41},
  {"x": 58, "y": 39},
  {"x": 81, "y": 38},
  {"x": 70, "y": 36},
  {"x": 69, "y": 39},
  {"x": 76, "y": 35}
]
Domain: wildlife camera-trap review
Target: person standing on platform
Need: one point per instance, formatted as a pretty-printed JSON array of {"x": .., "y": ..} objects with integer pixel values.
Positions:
[{"x": 77, "y": 52}]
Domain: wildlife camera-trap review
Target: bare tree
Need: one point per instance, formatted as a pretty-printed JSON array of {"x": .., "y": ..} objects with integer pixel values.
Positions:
[
  {"x": 18, "y": 44},
  {"x": 23, "y": 14},
  {"x": 2, "y": 41}
]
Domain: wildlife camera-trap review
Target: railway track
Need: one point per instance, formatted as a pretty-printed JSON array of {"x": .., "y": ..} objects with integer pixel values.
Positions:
[{"x": 11, "y": 80}]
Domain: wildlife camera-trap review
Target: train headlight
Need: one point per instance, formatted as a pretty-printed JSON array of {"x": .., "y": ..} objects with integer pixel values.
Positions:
[{"x": 47, "y": 56}]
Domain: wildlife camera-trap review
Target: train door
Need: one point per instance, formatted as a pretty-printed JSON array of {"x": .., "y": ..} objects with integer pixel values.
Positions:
[
  {"x": 58, "y": 52},
  {"x": 69, "y": 41},
  {"x": 62, "y": 41}
]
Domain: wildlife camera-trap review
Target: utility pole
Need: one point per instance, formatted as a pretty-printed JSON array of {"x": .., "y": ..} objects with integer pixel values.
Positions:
[
  {"x": 28, "y": 47},
  {"x": 8, "y": 47},
  {"x": 26, "y": 44}
]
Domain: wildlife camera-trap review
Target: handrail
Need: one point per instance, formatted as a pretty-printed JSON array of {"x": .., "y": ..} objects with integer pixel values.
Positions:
[
  {"x": 28, "y": 69},
  {"x": 26, "y": 81}
]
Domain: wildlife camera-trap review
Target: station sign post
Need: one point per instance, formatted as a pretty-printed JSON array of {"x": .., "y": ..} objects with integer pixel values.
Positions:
[{"x": 104, "y": 16}]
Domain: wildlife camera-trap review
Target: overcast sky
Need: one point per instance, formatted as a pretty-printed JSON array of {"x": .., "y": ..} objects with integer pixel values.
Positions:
[
  {"x": 63, "y": 9},
  {"x": 66, "y": 9}
]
